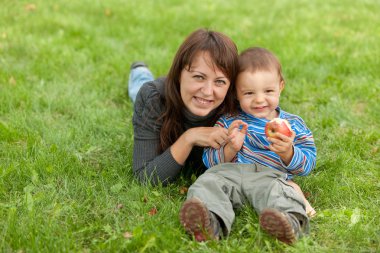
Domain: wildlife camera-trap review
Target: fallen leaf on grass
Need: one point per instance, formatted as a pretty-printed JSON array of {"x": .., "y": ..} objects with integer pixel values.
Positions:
[
  {"x": 30, "y": 7},
  {"x": 12, "y": 81},
  {"x": 153, "y": 211},
  {"x": 307, "y": 194},
  {"x": 312, "y": 213},
  {"x": 355, "y": 217},
  {"x": 127, "y": 235},
  {"x": 183, "y": 190},
  {"x": 107, "y": 12}
]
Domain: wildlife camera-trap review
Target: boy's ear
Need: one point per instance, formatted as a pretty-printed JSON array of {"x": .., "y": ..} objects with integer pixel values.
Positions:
[{"x": 282, "y": 85}]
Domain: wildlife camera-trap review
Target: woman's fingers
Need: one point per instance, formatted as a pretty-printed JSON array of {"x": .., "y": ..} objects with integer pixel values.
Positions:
[{"x": 217, "y": 137}]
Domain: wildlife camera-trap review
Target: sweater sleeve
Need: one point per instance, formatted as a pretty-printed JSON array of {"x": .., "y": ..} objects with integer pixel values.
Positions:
[
  {"x": 212, "y": 156},
  {"x": 149, "y": 166},
  {"x": 305, "y": 152}
]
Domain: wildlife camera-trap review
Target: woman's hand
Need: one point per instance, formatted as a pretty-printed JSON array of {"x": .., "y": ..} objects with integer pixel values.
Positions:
[
  {"x": 207, "y": 136},
  {"x": 198, "y": 136}
]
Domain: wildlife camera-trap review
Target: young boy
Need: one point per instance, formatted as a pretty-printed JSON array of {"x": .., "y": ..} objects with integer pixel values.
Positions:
[{"x": 251, "y": 167}]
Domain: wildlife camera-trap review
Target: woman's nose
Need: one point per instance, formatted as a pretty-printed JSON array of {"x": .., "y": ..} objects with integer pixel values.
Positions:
[{"x": 207, "y": 88}]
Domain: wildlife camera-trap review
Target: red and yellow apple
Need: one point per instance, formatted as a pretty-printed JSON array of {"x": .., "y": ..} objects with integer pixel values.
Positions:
[{"x": 278, "y": 125}]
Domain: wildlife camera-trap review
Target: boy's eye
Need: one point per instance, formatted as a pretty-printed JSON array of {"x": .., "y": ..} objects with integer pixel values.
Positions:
[
  {"x": 269, "y": 91},
  {"x": 248, "y": 93}
]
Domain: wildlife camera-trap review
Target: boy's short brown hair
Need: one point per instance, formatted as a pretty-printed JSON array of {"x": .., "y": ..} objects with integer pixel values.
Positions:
[{"x": 258, "y": 59}]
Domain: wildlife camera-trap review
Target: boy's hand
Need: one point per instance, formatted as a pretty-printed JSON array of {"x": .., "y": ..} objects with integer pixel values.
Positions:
[
  {"x": 282, "y": 145},
  {"x": 236, "y": 135}
]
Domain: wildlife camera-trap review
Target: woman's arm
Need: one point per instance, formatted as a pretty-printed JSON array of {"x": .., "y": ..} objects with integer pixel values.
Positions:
[
  {"x": 148, "y": 164},
  {"x": 151, "y": 167},
  {"x": 198, "y": 136}
]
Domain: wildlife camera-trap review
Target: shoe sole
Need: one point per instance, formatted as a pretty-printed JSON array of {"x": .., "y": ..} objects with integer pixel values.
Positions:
[
  {"x": 276, "y": 224},
  {"x": 194, "y": 217}
]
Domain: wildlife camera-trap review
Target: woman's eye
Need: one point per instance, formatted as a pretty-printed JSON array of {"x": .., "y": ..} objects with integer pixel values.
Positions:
[
  {"x": 198, "y": 77},
  {"x": 220, "y": 82}
]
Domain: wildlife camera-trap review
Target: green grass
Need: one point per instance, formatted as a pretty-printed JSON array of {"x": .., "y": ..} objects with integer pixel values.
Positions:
[{"x": 66, "y": 136}]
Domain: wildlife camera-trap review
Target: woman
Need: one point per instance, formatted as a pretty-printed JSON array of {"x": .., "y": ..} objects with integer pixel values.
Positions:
[{"x": 174, "y": 116}]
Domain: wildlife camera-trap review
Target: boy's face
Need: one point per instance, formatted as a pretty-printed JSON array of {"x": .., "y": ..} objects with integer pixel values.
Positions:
[{"x": 259, "y": 93}]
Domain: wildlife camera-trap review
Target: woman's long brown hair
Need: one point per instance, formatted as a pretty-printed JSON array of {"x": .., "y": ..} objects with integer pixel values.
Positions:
[{"x": 224, "y": 54}]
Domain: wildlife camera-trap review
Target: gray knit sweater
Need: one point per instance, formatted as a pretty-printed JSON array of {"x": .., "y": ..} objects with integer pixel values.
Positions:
[{"x": 148, "y": 164}]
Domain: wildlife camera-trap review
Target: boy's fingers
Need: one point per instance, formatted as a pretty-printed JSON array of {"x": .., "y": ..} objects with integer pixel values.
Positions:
[{"x": 244, "y": 128}]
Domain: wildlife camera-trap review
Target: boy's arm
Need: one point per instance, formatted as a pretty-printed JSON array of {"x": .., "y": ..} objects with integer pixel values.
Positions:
[
  {"x": 304, "y": 150},
  {"x": 282, "y": 145},
  {"x": 212, "y": 156},
  {"x": 305, "y": 155},
  {"x": 236, "y": 135},
  {"x": 229, "y": 153},
  {"x": 298, "y": 152},
  {"x": 237, "y": 131}
]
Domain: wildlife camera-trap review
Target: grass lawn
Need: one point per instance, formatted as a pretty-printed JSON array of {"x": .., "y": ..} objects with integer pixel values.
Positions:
[{"x": 66, "y": 136}]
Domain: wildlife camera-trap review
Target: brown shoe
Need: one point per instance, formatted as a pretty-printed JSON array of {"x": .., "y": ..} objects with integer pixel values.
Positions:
[
  {"x": 285, "y": 227},
  {"x": 199, "y": 221}
]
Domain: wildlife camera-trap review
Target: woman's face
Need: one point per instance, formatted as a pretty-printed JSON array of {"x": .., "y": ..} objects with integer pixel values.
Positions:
[{"x": 203, "y": 87}]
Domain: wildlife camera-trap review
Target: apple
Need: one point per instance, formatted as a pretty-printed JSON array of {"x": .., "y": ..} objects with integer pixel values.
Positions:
[{"x": 278, "y": 125}]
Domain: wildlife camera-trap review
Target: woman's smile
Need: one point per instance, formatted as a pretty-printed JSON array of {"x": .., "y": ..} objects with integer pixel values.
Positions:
[
  {"x": 203, "y": 86},
  {"x": 202, "y": 101}
]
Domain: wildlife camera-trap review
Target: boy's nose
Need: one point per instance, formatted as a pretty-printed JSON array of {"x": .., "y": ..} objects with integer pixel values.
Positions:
[{"x": 259, "y": 98}]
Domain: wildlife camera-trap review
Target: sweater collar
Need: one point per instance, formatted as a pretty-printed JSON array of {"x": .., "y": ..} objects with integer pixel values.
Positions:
[
  {"x": 193, "y": 119},
  {"x": 262, "y": 120}
]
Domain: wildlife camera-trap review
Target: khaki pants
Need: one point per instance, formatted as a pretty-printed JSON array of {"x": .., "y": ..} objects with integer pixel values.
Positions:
[{"x": 228, "y": 186}]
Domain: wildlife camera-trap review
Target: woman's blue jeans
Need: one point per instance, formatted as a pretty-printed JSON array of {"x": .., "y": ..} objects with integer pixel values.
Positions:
[{"x": 137, "y": 77}]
